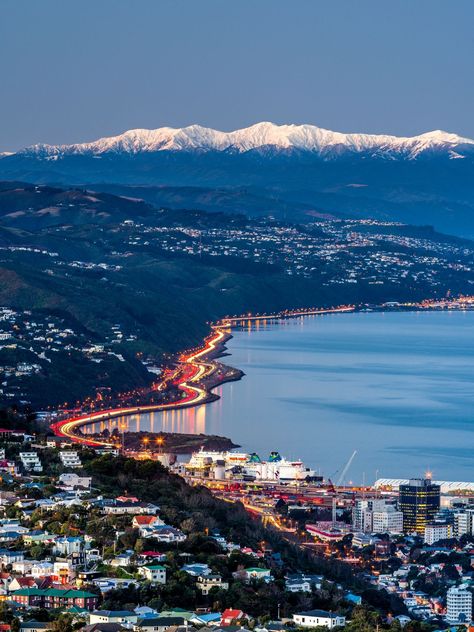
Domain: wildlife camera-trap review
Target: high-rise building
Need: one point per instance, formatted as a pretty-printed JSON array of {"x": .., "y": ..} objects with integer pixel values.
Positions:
[
  {"x": 376, "y": 515},
  {"x": 387, "y": 521},
  {"x": 464, "y": 522},
  {"x": 459, "y": 601},
  {"x": 419, "y": 503}
]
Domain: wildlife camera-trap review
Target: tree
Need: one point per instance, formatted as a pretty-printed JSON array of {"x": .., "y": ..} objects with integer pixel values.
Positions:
[{"x": 63, "y": 623}]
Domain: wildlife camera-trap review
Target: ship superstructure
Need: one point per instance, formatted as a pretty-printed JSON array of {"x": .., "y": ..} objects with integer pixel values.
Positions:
[{"x": 237, "y": 465}]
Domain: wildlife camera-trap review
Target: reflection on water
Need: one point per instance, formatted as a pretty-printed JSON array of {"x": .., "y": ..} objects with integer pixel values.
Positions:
[
  {"x": 184, "y": 420},
  {"x": 396, "y": 387}
]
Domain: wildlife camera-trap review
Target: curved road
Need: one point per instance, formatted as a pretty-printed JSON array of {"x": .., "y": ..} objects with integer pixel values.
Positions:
[{"x": 196, "y": 370}]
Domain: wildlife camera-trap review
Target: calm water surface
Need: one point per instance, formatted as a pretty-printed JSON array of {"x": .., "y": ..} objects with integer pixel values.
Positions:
[{"x": 396, "y": 387}]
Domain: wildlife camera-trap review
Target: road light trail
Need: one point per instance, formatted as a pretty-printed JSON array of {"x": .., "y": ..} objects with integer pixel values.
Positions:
[{"x": 199, "y": 368}]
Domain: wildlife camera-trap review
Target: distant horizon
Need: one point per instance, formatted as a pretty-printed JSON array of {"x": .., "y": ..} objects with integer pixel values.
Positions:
[{"x": 74, "y": 71}]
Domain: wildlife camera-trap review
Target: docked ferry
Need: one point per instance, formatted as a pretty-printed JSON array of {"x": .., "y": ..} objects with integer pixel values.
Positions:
[{"x": 250, "y": 466}]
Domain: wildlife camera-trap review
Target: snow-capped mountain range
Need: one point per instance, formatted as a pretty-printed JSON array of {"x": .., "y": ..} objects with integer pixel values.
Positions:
[{"x": 263, "y": 137}]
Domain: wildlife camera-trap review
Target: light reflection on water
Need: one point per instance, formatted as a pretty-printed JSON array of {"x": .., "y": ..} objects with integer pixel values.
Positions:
[{"x": 398, "y": 387}]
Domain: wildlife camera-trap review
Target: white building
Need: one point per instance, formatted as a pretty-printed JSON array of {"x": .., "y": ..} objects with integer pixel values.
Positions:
[
  {"x": 313, "y": 618},
  {"x": 71, "y": 479},
  {"x": 42, "y": 569},
  {"x": 459, "y": 605},
  {"x": 382, "y": 510},
  {"x": 112, "y": 616},
  {"x": 31, "y": 462},
  {"x": 68, "y": 545},
  {"x": 464, "y": 522},
  {"x": 70, "y": 458},
  {"x": 436, "y": 531},
  {"x": 387, "y": 521},
  {"x": 205, "y": 583},
  {"x": 153, "y": 573}
]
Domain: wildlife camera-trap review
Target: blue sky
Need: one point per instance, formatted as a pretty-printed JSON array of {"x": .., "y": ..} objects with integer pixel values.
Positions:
[{"x": 76, "y": 70}]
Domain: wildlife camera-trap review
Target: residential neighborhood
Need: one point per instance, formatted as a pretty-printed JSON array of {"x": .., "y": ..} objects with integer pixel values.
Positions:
[{"x": 118, "y": 559}]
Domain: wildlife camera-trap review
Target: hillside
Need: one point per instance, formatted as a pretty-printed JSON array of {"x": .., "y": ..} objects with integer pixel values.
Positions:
[
  {"x": 105, "y": 287},
  {"x": 292, "y": 173}
]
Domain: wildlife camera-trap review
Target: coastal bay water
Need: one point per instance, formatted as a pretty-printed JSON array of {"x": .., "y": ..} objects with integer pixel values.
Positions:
[{"x": 397, "y": 387}]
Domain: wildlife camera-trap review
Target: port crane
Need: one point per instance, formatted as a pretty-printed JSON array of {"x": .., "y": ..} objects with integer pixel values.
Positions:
[{"x": 333, "y": 488}]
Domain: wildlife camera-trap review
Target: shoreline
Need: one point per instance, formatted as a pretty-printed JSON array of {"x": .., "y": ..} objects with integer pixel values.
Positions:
[{"x": 201, "y": 373}]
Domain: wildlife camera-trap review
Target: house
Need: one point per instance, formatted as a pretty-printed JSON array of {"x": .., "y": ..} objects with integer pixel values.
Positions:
[
  {"x": 35, "y": 626},
  {"x": 5, "y": 581},
  {"x": 230, "y": 616},
  {"x": 145, "y": 611},
  {"x": 123, "y": 559},
  {"x": 18, "y": 583},
  {"x": 10, "y": 557},
  {"x": 37, "y": 536},
  {"x": 42, "y": 569},
  {"x": 271, "y": 626},
  {"x": 140, "y": 521},
  {"x": 131, "y": 507},
  {"x": 31, "y": 461},
  {"x": 256, "y": 573},
  {"x": 104, "y": 584},
  {"x": 205, "y": 583},
  {"x": 302, "y": 582},
  {"x": 153, "y": 573},
  {"x": 196, "y": 569},
  {"x": 9, "y": 536},
  {"x": 208, "y": 618},
  {"x": 403, "y": 619},
  {"x": 314, "y": 618},
  {"x": 112, "y": 616},
  {"x": 164, "y": 533},
  {"x": 73, "y": 480},
  {"x": 151, "y": 556},
  {"x": 68, "y": 545},
  {"x": 298, "y": 585},
  {"x": 104, "y": 627},
  {"x": 157, "y": 624},
  {"x": 70, "y": 458}
]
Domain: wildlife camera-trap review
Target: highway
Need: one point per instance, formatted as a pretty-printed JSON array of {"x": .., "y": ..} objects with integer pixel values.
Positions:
[{"x": 193, "y": 367}]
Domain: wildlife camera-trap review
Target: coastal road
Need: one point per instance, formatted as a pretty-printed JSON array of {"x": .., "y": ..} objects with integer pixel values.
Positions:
[{"x": 193, "y": 369}]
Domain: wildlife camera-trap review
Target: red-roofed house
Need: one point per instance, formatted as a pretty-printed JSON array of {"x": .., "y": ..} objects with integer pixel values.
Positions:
[
  {"x": 143, "y": 521},
  {"x": 230, "y": 616},
  {"x": 22, "y": 582}
]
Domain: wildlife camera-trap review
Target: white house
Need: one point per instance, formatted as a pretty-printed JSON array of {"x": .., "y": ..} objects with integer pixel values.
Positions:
[
  {"x": 70, "y": 458},
  {"x": 167, "y": 534},
  {"x": 71, "y": 479},
  {"x": 257, "y": 573},
  {"x": 153, "y": 573},
  {"x": 42, "y": 569},
  {"x": 68, "y": 545},
  {"x": 313, "y": 618},
  {"x": 112, "y": 616},
  {"x": 205, "y": 583},
  {"x": 31, "y": 462},
  {"x": 11, "y": 557}
]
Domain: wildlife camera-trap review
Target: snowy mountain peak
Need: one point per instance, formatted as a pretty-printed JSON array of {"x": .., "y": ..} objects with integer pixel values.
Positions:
[{"x": 260, "y": 136}]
